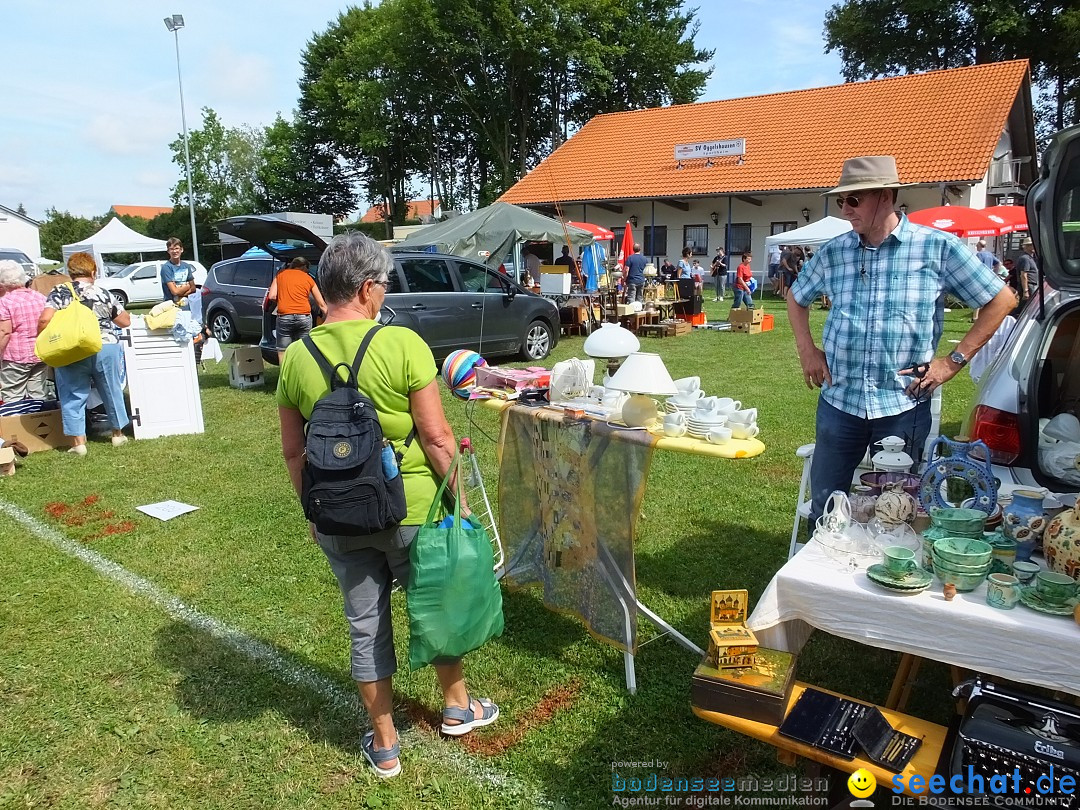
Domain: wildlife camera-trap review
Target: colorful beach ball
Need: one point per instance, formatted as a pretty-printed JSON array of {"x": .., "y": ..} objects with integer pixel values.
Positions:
[{"x": 459, "y": 371}]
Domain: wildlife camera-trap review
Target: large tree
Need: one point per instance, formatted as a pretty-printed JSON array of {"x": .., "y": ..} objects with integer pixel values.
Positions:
[
  {"x": 888, "y": 37},
  {"x": 462, "y": 97},
  {"x": 64, "y": 228},
  {"x": 295, "y": 172}
]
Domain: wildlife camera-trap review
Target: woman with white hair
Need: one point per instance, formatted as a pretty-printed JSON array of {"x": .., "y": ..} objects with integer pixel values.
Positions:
[
  {"x": 22, "y": 374},
  {"x": 73, "y": 380}
]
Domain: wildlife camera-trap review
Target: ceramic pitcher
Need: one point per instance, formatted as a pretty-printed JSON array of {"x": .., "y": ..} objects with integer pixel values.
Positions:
[
  {"x": 1024, "y": 521},
  {"x": 1061, "y": 543}
]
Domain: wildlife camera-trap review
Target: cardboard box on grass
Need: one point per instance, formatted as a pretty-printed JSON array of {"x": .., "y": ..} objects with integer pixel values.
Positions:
[
  {"x": 246, "y": 368},
  {"x": 38, "y": 431},
  {"x": 746, "y": 316}
]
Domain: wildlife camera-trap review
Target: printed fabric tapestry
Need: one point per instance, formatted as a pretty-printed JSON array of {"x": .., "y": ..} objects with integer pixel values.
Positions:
[{"x": 569, "y": 497}]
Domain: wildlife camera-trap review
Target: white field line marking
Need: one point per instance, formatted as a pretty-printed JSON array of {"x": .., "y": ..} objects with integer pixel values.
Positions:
[{"x": 343, "y": 701}]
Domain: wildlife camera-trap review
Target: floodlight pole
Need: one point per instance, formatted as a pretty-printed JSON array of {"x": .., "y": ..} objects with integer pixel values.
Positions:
[{"x": 174, "y": 24}]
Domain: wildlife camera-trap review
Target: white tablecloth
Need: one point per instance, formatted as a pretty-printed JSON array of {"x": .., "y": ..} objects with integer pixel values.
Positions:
[{"x": 810, "y": 592}]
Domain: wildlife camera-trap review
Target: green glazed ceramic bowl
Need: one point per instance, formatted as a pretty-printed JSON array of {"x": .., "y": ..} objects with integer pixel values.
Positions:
[
  {"x": 962, "y": 522},
  {"x": 963, "y": 582},
  {"x": 956, "y": 568},
  {"x": 963, "y": 551}
]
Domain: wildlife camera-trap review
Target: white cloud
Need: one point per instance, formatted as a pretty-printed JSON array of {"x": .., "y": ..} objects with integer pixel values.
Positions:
[
  {"x": 138, "y": 134},
  {"x": 243, "y": 77}
]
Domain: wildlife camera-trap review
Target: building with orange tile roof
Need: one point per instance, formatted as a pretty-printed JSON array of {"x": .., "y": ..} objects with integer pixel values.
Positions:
[
  {"x": 144, "y": 211},
  {"x": 418, "y": 209},
  {"x": 964, "y": 136}
]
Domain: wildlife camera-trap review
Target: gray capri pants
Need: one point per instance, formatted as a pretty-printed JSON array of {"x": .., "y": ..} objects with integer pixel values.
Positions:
[{"x": 366, "y": 568}]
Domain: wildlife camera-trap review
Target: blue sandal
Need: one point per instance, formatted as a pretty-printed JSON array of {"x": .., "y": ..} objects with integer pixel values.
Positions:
[
  {"x": 468, "y": 718},
  {"x": 375, "y": 755}
]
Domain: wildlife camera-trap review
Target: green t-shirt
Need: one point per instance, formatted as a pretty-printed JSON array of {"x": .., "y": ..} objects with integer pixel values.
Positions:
[{"x": 397, "y": 362}]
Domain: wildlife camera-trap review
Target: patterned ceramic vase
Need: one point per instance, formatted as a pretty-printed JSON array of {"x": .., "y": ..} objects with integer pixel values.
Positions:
[
  {"x": 1061, "y": 543},
  {"x": 1023, "y": 520},
  {"x": 894, "y": 506}
]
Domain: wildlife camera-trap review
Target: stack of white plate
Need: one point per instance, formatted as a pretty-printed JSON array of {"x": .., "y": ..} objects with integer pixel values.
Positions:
[
  {"x": 671, "y": 407},
  {"x": 699, "y": 427}
]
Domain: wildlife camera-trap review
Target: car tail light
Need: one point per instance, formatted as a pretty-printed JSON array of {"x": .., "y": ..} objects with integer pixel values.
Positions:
[{"x": 1000, "y": 430}]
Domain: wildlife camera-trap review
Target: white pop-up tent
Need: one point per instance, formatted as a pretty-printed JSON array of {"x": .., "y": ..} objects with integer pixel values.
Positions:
[
  {"x": 814, "y": 234},
  {"x": 115, "y": 237}
]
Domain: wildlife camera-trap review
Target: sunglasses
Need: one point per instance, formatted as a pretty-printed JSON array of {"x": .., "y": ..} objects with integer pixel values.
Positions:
[
  {"x": 382, "y": 282},
  {"x": 851, "y": 200}
]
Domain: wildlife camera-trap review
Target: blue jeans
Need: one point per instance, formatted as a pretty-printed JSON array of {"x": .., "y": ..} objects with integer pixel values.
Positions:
[
  {"x": 842, "y": 440},
  {"x": 741, "y": 297},
  {"x": 73, "y": 387}
]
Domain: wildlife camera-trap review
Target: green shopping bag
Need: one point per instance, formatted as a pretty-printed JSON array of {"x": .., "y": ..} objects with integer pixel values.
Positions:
[{"x": 454, "y": 601}]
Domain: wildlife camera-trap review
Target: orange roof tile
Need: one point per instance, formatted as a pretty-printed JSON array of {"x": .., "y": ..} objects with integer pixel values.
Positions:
[
  {"x": 417, "y": 209},
  {"x": 941, "y": 126},
  {"x": 144, "y": 211}
]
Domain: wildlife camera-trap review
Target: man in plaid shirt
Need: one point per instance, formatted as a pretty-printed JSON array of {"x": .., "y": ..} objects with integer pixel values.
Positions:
[
  {"x": 22, "y": 374},
  {"x": 886, "y": 279}
]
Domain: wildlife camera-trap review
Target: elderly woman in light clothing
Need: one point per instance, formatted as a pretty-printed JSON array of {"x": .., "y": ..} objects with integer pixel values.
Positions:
[
  {"x": 73, "y": 381},
  {"x": 22, "y": 374}
]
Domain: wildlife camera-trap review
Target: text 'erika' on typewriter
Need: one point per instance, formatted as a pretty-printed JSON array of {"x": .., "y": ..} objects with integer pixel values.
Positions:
[{"x": 1029, "y": 740}]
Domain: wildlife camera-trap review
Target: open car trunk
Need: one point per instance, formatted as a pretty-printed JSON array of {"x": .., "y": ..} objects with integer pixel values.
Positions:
[{"x": 1055, "y": 389}]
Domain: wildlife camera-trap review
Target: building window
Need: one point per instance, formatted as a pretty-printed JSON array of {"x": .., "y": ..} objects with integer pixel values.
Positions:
[
  {"x": 655, "y": 240},
  {"x": 696, "y": 237},
  {"x": 738, "y": 238},
  {"x": 782, "y": 227}
]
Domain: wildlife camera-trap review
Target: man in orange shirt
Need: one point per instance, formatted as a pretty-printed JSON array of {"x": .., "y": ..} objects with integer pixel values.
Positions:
[{"x": 291, "y": 288}]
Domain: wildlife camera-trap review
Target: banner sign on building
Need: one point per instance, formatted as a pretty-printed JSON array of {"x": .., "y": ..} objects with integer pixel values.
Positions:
[{"x": 710, "y": 149}]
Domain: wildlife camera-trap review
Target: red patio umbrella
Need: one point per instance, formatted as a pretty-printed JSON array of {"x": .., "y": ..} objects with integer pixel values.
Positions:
[
  {"x": 627, "y": 247},
  {"x": 957, "y": 219},
  {"x": 598, "y": 231},
  {"x": 1013, "y": 217}
]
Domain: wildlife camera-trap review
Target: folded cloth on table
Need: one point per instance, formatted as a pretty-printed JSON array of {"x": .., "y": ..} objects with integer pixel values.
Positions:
[{"x": 21, "y": 406}]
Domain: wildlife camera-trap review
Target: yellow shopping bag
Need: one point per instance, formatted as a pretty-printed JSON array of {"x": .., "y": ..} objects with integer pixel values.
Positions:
[{"x": 72, "y": 335}]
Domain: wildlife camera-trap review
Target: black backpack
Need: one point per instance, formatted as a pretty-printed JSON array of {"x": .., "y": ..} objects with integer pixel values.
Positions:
[{"x": 345, "y": 486}]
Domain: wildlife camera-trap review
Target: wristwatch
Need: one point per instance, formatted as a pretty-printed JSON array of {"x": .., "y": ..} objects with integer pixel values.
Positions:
[{"x": 958, "y": 358}]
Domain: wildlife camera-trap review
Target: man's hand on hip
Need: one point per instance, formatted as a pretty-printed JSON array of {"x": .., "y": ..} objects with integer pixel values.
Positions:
[{"x": 815, "y": 367}]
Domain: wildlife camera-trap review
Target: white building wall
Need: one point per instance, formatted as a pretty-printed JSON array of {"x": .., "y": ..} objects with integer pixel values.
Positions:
[
  {"x": 775, "y": 208},
  {"x": 16, "y": 232}
]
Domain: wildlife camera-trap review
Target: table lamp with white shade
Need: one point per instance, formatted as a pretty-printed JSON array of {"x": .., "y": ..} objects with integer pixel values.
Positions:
[
  {"x": 643, "y": 375},
  {"x": 612, "y": 343}
]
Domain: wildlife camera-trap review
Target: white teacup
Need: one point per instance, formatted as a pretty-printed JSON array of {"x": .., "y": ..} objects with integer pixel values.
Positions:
[
  {"x": 718, "y": 435},
  {"x": 673, "y": 429},
  {"x": 747, "y": 416},
  {"x": 688, "y": 385},
  {"x": 726, "y": 405},
  {"x": 741, "y": 431},
  {"x": 687, "y": 399}
]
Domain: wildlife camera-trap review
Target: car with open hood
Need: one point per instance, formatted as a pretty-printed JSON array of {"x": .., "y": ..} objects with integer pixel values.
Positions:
[
  {"x": 1029, "y": 395},
  {"x": 450, "y": 301}
]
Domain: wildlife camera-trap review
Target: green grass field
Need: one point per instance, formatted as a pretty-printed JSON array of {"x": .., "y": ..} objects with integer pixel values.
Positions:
[{"x": 112, "y": 700}]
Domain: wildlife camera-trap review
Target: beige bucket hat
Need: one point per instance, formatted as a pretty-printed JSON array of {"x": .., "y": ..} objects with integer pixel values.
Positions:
[{"x": 863, "y": 173}]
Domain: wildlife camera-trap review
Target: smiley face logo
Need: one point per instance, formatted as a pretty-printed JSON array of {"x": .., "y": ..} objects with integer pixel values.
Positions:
[{"x": 862, "y": 783}]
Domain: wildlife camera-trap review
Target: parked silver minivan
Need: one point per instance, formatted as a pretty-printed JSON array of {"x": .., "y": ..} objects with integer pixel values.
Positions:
[{"x": 1036, "y": 375}]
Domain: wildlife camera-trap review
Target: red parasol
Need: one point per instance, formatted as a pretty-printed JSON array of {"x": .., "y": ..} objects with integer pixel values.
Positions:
[
  {"x": 1013, "y": 217},
  {"x": 598, "y": 231},
  {"x": 627, "y": 247},
  {"x": 959, "y": 220}
]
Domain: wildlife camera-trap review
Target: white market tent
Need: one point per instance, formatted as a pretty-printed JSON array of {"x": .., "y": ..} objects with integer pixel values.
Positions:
[
  {"x": 115, "y": 237},
  {"x": 814, "y": 234}
]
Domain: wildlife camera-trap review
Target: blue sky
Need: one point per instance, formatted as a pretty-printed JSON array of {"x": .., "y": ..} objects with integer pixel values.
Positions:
[{"x": 90, "y": 98}]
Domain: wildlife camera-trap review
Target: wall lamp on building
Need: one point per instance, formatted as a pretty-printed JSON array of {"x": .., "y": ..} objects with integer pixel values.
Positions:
[
  {"x": 715, "y": 218},
  {"x": 806, "y": 214},
  {"x": 633, "y": 220}
]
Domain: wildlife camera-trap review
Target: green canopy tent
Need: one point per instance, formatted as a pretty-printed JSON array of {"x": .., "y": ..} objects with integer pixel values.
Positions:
[{"x": 490, "y": 233}]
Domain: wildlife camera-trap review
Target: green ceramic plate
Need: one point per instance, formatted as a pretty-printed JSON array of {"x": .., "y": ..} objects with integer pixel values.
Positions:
[
  {"x": 1031, "y": 599},
  {"x": 918, "y": 580}
]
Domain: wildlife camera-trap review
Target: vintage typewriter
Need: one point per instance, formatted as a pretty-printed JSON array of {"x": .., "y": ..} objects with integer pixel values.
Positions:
[{"x": 1005, "y": 731}]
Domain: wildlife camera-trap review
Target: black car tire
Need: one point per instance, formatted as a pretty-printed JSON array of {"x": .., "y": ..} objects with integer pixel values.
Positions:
[
  {"x": 222, "y": 326},
  {"x": 119, "y": 296},
  {"x": 536, "y": 344}
]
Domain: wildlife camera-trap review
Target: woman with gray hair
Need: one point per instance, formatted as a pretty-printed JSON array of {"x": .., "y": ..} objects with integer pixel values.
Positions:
[
  {"x": 399, "y": 375},
  {"x": 22, "y": 374}
]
